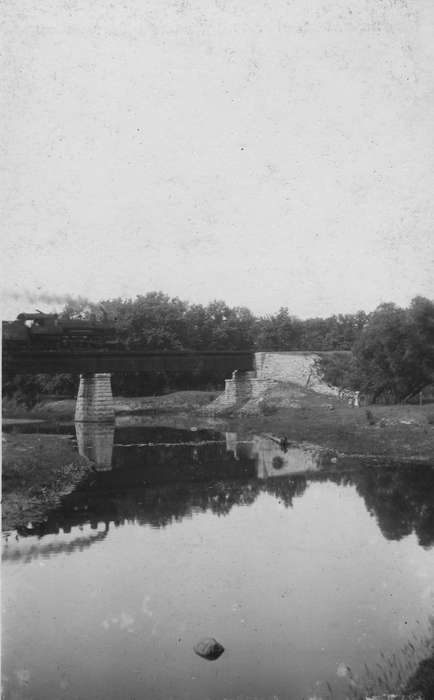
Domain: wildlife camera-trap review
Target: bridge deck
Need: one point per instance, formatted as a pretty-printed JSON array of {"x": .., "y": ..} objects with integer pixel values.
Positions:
[{"x": 88, "y": 361}]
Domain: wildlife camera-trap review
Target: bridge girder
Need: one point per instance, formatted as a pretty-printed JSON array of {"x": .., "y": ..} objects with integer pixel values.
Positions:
[{"x": 92, "y": 362}]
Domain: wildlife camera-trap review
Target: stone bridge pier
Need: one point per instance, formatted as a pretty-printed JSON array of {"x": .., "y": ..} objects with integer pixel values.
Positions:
[{"x": 94, "y": 399}]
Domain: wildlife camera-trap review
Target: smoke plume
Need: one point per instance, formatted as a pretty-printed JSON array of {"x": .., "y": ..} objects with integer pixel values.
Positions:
[{"x": 32, "y": 299}]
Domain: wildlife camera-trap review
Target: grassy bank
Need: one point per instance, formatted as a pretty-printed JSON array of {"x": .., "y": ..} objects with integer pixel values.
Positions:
[
  {"x": 37, "y": 472},
  {"x": 397, "y": 432},
  {"x": 177, "y": 402},
  {"x": 63, "y": 409}
]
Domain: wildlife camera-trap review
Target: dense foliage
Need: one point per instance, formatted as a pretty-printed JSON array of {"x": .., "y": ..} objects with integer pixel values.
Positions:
[
  {"x": 392, "y": 348},
  {"x": 394, "y": 353},
  {"x": 156, "y": 322}
]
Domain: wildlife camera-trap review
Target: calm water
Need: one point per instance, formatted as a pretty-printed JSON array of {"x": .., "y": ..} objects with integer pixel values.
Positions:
[{"x": 299, "y": 568}]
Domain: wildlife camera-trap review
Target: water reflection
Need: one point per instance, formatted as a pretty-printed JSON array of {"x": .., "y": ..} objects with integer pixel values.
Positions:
[
  {"x": 155, "y": 476},
  {"x": 400, "y": 497},
  {"x": 196, "y": 533},
  {"x": 274, "y": 459},
  {"x": 95, "y": 441},
  {"x": 17, "y": 548}
]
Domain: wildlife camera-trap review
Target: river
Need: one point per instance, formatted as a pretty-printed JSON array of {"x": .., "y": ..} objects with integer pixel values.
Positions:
[{"x": 318, "y": 581}]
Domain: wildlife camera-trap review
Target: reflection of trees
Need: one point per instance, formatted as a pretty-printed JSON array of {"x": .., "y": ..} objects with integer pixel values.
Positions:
[
  {"x": 164, "y": 505},
  {"x": 401, "y": 497},
  {"x": 286, "y": 489},
  {"x": 161, "y": 505}
]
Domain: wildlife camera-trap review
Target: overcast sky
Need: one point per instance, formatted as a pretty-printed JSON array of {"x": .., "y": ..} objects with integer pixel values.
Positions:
[{"x": 265, "y": 152}]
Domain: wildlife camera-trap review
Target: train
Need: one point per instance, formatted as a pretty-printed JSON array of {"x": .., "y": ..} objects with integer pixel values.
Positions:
[{"x": 49, "y": 331}]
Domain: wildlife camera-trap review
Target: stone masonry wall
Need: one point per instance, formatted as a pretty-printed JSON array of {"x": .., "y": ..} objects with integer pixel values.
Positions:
[
  {"x": 299, "y": 368},
  {"x": 94, "y": 399},
  {"x": 296, "y": 367}
]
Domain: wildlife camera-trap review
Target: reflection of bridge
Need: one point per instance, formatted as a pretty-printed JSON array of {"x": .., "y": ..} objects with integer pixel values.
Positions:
[
  {"x": 95, "y": 441},
  {"x": 273, "y": 460}
]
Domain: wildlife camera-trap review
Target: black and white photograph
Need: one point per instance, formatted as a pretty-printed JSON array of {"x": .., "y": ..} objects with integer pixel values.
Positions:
[{"x": 217, "y": 302}]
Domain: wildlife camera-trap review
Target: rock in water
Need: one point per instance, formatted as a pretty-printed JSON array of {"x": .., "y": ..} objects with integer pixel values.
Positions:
[{"x": 209, "y": 648}]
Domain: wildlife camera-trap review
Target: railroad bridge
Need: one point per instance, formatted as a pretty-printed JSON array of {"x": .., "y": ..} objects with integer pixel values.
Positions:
[
  {"x": 95, "y": 367},
  {"x": 251, "y": 373}
]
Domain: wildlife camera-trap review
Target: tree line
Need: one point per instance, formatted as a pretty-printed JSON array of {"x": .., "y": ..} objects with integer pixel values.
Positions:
[
  {"x": 392, "y": 348},
  {"x": 155, "y": 321}
]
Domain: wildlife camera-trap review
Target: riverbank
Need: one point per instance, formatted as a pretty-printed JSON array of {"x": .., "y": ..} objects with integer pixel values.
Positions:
[
  {"x": 397, "y": 434},
  {"x": 63, "y": 409},
  {"x": 37, "y": 471},
  {"x": 401, "y": 432}
]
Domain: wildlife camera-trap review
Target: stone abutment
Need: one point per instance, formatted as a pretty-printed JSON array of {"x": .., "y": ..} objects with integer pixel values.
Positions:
[{"x": 297, "y": 368}]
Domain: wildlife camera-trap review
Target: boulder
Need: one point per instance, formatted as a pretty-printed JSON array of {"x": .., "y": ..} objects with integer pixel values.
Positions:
[{"x": 208, "y": 648}]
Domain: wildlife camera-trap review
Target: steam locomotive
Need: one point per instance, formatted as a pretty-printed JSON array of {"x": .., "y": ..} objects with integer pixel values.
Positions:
[{"x": 41, "y": 331}]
